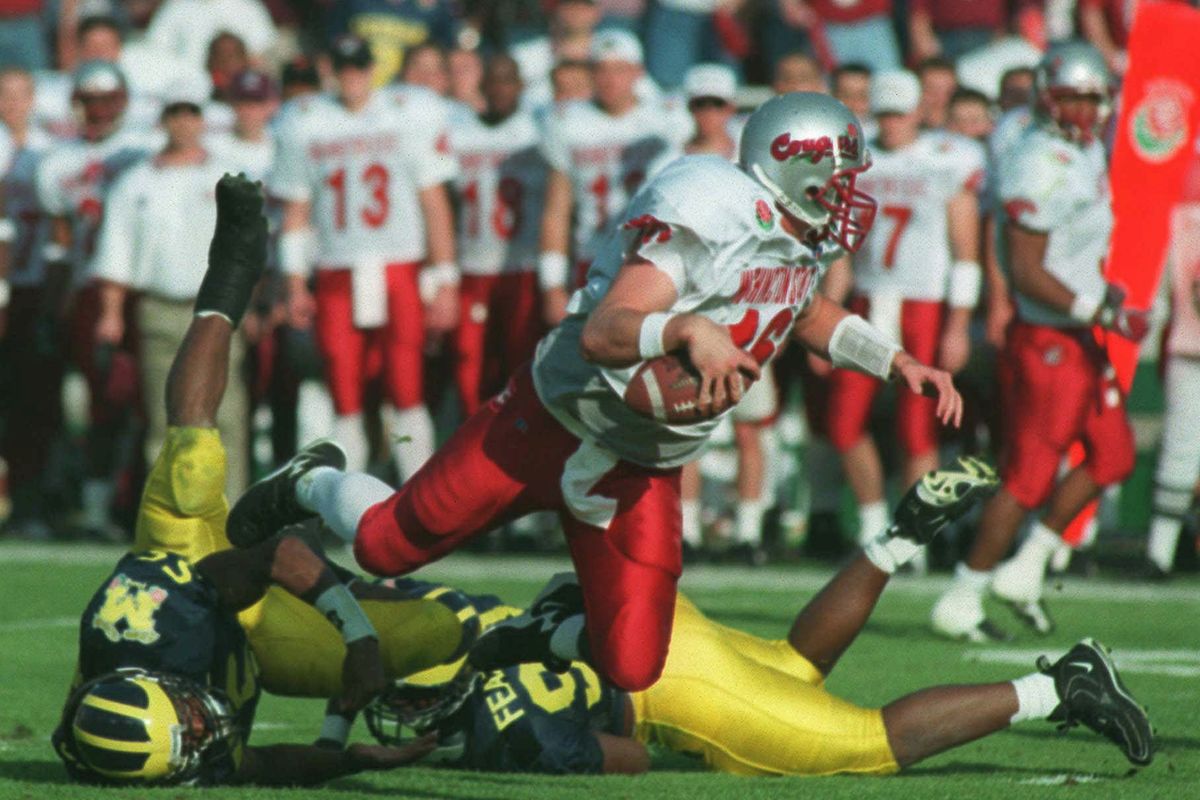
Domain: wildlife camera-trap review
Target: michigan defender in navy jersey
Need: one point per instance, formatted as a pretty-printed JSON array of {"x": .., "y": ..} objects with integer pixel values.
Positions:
[
  {"x": 176, "y": 641},
  {"x": 754, "y": 706}
]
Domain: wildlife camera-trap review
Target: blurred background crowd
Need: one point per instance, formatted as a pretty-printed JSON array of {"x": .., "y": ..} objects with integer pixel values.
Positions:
[{"x": 99, "y": 99}]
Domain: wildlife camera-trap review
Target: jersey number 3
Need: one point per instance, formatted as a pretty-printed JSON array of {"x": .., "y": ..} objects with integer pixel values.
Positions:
[{"x": 374, "y": 178}]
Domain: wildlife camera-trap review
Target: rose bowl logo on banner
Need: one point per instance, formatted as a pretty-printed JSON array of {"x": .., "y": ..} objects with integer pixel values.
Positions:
[{"x": 1158, "y": 126}]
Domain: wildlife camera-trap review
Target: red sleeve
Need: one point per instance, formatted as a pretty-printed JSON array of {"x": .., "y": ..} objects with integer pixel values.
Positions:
[{"x": 918, "y": 5}]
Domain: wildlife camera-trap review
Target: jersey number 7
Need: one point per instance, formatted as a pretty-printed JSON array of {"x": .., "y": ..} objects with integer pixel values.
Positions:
[{"x": 901, "y": 215}]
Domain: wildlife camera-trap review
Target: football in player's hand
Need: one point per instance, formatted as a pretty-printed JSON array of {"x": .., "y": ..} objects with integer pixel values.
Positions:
[{"x": 667, "y": 389}]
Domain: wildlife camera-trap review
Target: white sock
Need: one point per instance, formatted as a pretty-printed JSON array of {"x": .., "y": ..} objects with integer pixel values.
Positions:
[
  {"x": 1038, "y": 547},
  {"x": 412, "y": 439},
  {"x": 1036, "y": 697},
  {"x": 969, "y": 580},
  {"x": 348, "y": 432},
  {"x": 97, "y": 495},
  {"x": 564, "y": 642},
  {"x": 1164, "y": 537},
  {"x": 341, "y": 498},
  {"x": 314, "y": 412},
  {"x": 749, "y": 522},
  {"x": 691, "y": 522},
  {"x": 890, "y": 553},
  {"x": 872, "y": 520}
]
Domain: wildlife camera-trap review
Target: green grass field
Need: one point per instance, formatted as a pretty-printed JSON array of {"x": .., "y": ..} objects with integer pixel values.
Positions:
[{"x": 1152, "y": 630}]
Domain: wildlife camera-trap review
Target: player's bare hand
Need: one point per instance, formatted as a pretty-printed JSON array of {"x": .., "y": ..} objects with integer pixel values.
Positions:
[
  {"x": 362, "y": 674},
  {"x": 372, "y": 757},
  {"x": 110, "y": 328},
  {"x": 441, "y": 315},
  {"x": 818, "y": 366},
  {"x": 999, "y": 314},
  {"x": 954, "y": 350},
  {"x": 301, "y": 307},
  {"x": 931, "y": 383},
  {"x": 723, "y": 366},
  {"x": 554, "y": 306}
]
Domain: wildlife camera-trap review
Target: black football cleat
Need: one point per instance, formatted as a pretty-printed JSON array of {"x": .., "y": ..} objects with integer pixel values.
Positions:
[
  {"x": 1092, "y": 695},
  {"x": 237, "y": 254},
  {"x": 270, "y": 504},
  {"x": 942, "y": 496},
  {"x": 525, "y": 639}
]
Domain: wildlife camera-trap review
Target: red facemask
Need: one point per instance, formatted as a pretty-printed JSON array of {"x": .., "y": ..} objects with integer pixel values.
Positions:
[
  {"x": 1079, "y": 122},
  {"x": 851, "y": 212}
]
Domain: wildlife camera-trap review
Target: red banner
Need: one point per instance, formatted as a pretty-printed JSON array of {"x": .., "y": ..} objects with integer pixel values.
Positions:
[{"x": 1152, "y": 151}]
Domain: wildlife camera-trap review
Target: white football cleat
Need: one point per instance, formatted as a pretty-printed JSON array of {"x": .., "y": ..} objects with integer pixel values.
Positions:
[
  {"x": 958, "y": 614},
  {"x": 1020, "y": 587}
]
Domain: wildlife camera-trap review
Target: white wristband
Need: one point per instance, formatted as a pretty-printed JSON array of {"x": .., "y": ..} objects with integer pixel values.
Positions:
[
  {"x": 8, "y": 230},
  {"x": 965, "y": 279},
  {"x": 552, "y": 271},
  {"x": 858, "y": 345},
  {"x": 53, "y": 253},
  {"x": 295, "y": 252},
  {"x": 432, "y": 278},
  {"x": 5, "y": 293},
  {"x": 343, "y": 611},
  {"x": 650, "y": 338},
  {"x": 1084, "y": 308}
]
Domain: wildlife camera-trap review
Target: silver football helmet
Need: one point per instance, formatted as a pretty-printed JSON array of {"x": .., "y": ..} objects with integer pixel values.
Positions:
[
  {"x": 807, "y": 150},
  {"x": 1069, "y": 71}
]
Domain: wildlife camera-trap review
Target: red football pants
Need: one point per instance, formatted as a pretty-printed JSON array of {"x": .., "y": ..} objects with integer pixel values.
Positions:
[
  {"x": 1058, "y": 393},
  {"x": 852, "y": 393},
  {"x": 499, "y": 326},
  {"x": 354, "y": 356},
  {"x": 510, "y": 459}
]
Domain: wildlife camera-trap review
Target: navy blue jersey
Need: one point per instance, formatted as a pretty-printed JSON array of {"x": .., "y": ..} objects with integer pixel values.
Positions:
[{"x": 155, "y": 612}]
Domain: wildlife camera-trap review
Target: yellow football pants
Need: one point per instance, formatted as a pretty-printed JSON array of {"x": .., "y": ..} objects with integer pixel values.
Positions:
[
  {"x": 754, "y": 707},
  {"x": 298, "y": 651}
]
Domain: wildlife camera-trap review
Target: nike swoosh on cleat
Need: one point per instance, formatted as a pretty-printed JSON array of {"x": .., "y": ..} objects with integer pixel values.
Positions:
[{"x": 1084, "y": 665}]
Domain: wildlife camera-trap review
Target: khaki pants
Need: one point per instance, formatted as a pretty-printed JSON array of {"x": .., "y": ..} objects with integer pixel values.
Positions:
[{"x": 163, "y": 324}]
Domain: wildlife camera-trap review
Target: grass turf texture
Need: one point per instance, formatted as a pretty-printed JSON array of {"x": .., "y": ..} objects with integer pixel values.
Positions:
[{"x": 1152, "y": 631}]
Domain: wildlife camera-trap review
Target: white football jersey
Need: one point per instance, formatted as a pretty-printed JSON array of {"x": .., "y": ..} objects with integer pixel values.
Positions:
[
  {"x": 18, "y": 186},
  {"x": 908, "y": 250},
  {"x": 1050, "y": 185},
  {"x": 362, "y": 172},
  {"x": 74, "y": 178},
  {"x": 715, "y": 232},
  {"x": 254, "y": 159},
  {"x": 501, "y": 189},
  {"x": 608, "y": 158}
]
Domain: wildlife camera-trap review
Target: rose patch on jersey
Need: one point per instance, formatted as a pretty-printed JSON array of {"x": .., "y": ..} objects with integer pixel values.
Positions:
[{"x": 763, "y": 215}]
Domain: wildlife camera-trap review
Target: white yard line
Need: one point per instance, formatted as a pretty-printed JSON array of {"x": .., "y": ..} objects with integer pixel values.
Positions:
[
  {"x": 1169, "y": 663},
  {"x": 805, "y": 579},
  {"x": 38, "y": 624}
]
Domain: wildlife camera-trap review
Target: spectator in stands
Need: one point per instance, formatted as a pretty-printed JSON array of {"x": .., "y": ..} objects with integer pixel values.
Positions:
[
  {"x": 425, "y": 65},
  {"x": 952, "y": 28},
  {"x": 188, "y": 27},
  {"x": 680, "y": 33},
  {"x": 227, "y": 57},
  {"x": 465, "y": 69},
  {"x": 970, "y": 115},
  {"x": 938, "y": 82},
  {"x": 1016, "y": 88},
  {"x": 851, "y": 84},
  {"x": 23, "y": 35},
  {"x": 851, "y": 30},
  {"x": 154, "y": 239},
  {"x": 568, "y": 39},
  {"x": 393, "y": 27},
  {"x": 798, "y": 72}
]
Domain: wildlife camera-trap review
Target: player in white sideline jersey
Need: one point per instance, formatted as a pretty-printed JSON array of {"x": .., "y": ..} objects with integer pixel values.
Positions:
[
  {"x": 362, "y": 185},
  {"x": 600, "y": 152},
  {"x": 1179, "y": 460},
  {"x": 917, "y": 280},
  {"x": 717, "y": 259},
  {"x": 500, "y": 187},
  {"x": 249, "y": 148},
  {"x": 73, "y": 181},
  {"x": 1057, "y": 384},
  {"x": 30, "y": 406}
]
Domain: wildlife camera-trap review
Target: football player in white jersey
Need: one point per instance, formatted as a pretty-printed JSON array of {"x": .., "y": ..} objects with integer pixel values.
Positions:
[
  {"x": 715, "y": 259},
  {"x": 73, "y": 180},
  {"x": 500, "y": 186},
  {"x": 917, "y": 279},
  {"x": 600, "y": 152},
  {"x": 361, "y": 180},
  {"x": 1057, "y": 384},
  {"x": 31, "y": 409}
]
